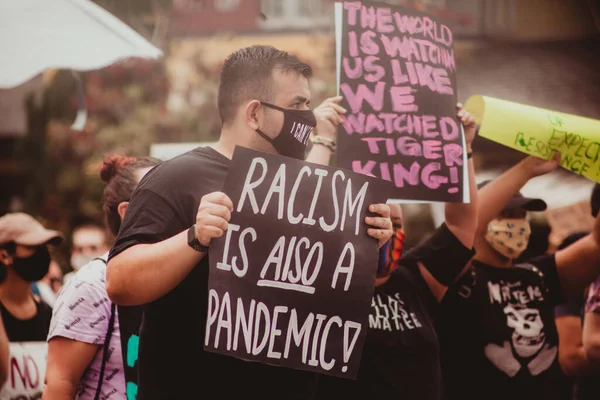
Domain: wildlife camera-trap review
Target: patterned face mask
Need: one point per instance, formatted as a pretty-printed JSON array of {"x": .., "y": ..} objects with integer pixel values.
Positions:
[{"x": 508, "y": 236}]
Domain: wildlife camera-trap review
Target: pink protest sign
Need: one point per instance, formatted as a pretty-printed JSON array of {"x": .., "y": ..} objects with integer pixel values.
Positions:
[{"x": 397, "y": 74}]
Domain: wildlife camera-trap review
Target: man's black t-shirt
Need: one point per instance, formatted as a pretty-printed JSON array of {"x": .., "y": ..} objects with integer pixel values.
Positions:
[
  {"x": 497, "y": 333},
  {"x": 34, "y": 329},
  {"x": 172, "y": 363},
  {"x": 400, "y": 359}
]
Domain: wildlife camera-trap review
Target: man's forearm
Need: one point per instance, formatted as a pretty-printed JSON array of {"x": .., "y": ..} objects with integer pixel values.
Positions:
[
  {"x": 494, "y": 196},
  {"x": 319, "y": 155},
  {"x": 59, "y": 390},
  {"x": 591, "y": 338},
  {"x": 146, "y": 272},
  {"x": 461, "y": 218}
]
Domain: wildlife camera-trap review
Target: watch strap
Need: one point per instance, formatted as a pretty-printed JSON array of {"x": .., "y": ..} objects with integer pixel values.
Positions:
[
  {"x": 329, "y": 143},
  {"x": 193, "y": 241}
]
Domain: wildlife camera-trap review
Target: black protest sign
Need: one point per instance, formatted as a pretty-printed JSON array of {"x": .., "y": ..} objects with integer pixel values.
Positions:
[
  {"x": 396, "y": 72},
  {"x": 292, "y": 279}
]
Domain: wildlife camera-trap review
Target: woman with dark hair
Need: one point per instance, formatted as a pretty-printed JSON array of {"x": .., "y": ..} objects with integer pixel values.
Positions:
[{"x": 84, "y": 358}]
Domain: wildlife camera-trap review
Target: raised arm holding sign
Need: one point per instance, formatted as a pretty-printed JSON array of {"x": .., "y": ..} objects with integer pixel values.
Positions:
[{"x": 541, "y": 133}]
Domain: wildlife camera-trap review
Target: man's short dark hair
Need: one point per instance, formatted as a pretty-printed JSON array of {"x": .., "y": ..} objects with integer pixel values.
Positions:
[{"x": 247, "y": 74}]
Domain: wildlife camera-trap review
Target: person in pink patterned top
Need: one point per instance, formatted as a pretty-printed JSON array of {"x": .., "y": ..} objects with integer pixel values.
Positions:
[
  {"x": 591, "y": 325},
  {"x": 84, "y": 347},
  {"x": 591, "y": 321},
  {"x": 593, "y": 301}
]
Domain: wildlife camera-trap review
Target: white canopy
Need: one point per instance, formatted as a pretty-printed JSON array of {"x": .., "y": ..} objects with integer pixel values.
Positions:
[{"x": 36, "y": 35}]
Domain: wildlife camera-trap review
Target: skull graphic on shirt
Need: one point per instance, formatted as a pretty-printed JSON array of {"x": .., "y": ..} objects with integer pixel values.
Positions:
[
  {"x": 528, "y": 336},
  {"x": 527, "y": 346}
]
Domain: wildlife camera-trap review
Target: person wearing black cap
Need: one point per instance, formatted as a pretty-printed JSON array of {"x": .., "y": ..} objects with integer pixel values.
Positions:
[{"x": 496, "y": 323}]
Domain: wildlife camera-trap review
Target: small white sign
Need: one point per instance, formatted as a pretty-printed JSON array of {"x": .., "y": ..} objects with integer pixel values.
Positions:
[{"x": 26, "y": 371}]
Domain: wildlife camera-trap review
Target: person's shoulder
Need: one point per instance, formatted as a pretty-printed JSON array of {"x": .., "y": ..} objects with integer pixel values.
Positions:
[
  {"x": 43, "y": 309},
  {"x": 539, "y": 265},
  {"x": 405, "y": 274},
  {"x": 194, "y": 160},
  {"x": 91, "y": 274},
  {"x": 192, "y": 165},
  {"x": 541, "y": 261},
  {"x": 93, "y": 270}
]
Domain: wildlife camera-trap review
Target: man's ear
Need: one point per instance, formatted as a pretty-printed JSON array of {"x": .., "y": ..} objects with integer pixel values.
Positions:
[
  {"x": 253, "y": 114},
  {"x": 122, "y": 208},
  {"x": 5, "y": 257}
]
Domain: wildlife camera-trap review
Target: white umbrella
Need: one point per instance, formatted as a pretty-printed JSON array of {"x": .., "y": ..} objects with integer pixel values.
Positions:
[{"x": 36, "y": 35}]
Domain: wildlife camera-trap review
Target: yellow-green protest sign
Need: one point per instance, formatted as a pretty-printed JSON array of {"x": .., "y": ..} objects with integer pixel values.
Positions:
[{"x": 540, "y": 132}]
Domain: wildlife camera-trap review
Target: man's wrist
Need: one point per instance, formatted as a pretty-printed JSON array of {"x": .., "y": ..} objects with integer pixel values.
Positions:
[
  {"x": 193, "y": 241},
  {"x": 329, "y": 143},
  {"x": 526, "y": 171},
  {"x": 325, "y": 135},
  {"x": 522, "y": 173}
]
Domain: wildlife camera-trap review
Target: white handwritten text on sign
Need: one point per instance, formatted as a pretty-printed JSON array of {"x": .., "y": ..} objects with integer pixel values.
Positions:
[{"x": 291, "y": 281}]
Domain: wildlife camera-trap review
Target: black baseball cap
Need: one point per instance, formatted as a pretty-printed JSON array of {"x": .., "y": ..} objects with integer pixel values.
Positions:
[
  {"x": 521, "y": 202},
  {"x": 595, "y": 200}
]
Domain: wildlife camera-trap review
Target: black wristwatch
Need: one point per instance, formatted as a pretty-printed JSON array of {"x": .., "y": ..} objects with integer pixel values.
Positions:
[{"x": 193, "y": 240}]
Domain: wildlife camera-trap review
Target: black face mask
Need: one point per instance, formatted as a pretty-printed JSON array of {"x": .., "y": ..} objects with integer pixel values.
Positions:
[
  {"x": 34, "y": 267},
  {"x": 297, "y": 127}
]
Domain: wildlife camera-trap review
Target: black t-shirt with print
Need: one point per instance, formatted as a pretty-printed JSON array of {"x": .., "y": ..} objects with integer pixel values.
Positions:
[
  {"x": 497, "y": 333},
  {"x": 400, "y": 359},
  {"x": 172, "y": 363},
  {"x": 34, "y": 329}
]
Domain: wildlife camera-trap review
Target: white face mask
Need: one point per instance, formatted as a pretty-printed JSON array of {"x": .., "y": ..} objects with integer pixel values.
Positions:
[
  {"x": 79, "y": 260},
  {"x": 509, "y": 236}
]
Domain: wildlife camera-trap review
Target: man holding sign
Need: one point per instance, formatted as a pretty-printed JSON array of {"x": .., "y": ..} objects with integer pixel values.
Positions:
[{"x": 159, "y": 258}]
